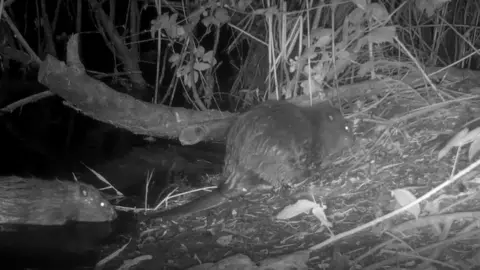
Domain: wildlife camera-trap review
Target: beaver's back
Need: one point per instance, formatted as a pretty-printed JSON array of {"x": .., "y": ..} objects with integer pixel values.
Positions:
[
  {"x": 271, "y": 142},
  {"x": 41, "y": 202},
  {"x": 277, "y": 142}
]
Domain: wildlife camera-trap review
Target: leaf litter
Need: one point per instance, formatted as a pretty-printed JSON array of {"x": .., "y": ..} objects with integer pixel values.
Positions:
[{"x": 389, "y": 168}]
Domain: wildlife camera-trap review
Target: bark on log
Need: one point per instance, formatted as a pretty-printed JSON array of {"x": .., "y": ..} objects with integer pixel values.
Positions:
[{"x": 97, "y": 100}]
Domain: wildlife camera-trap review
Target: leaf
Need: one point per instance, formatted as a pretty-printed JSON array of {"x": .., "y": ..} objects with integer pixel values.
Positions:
[
  {"x": 221, "y": 15},
  {"x": 207, "y": 21},
  {"x": 208, "y": 57},
  {"x": 360, "y": 43},
  {"x": 323, "y": 36},
  {"x": 340, "y": 66},
  {"x": 316, "y": 87},
  {"x": 470, "y": 136},
  {"x": 319, "y": 212},
  {"x": 174, "y": 59},
  {"x": 433, "y": 207},
  {"x": 357, "y": 16},
  {"x": 324, "y": 40},
  {"x": 181, "y": 31},
  {"x": 266, "y": 11},
  {"x": 225, "y": 240},
  {"x": 242, "y": 4},
  {"x": 199, "y": 51},
  {"x": 405, "y": 197},
  {"x": 379, "y": 12},
  {"x": 170, "y": 26},
  {"x": 194, "y": 19},
  {"x": 308, "y": 53},
  {"x": 187, "y": 80},
  {"x": 382, "y": 34},
  {"x": 366, "y": 67},
  {"x": 454, "y": 141},
  {"x": 380, "y": 128},
  {"x": 200, "y": 66},
  {"x": 173, "y": 19},
  {"x": 160, "y": 22},
  {"x": 474, "y": 147},
  {"x": 195, "y": 76},
  {"x": 343, "y": 54},
  {"x": 183, "y": 70},
  {"x": 293, "y": 210},
  {"x": 460, "y": 139},
  {"x": 429, "y": 5}
]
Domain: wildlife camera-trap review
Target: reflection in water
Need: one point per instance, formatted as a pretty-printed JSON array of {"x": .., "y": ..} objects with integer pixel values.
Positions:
[{"x": 73, "y": 246}]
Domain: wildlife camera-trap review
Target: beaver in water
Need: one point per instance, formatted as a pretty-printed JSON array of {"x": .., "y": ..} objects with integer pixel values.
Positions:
[
  {"x": 41, "y": 202},
  {"x": 274, "y": 144}
]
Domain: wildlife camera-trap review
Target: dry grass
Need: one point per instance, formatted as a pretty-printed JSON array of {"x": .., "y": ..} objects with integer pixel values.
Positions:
[
  {"x": 356, "y": 188},
  {"x": 399, "y": 130}
]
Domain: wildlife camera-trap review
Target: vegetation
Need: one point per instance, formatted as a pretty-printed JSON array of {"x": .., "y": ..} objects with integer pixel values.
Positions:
[{"x": 404, "y": 72}]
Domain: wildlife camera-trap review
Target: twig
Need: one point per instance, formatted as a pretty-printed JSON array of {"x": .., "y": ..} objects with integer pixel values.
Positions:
[
  {"x": 149, "y": 178},
  {"x": 428, "y": 220},
  {"x": 1, "y": 7},
  {"x": 33, "y": 55},
  {"x": 421, "y": 250},
  {"x": 410, "y": 256},
  {"x": 20, "y": 38},
  {"x": 169, "y": 196},
  {"x": 33, "y": 98}
]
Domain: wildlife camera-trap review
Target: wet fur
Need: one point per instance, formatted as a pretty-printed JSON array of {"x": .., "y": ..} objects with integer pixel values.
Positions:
[
  {"x": 270, "y": 146},
  {"x": 41, "y": 202}
]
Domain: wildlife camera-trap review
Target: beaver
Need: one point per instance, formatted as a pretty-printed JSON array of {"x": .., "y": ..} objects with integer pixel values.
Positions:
[
  {"x": 41, "y": 202},
  {"x": 273, "y": 145}
]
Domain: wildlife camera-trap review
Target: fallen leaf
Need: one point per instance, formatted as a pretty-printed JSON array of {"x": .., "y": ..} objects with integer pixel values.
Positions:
[
  {"x": 474, "y": 148},
  {"x": 405, "y": 197},
  {"x": 225, "y": 240},
  {"x": 319, "y": 212},
  {"x": 293, "y": 210}
]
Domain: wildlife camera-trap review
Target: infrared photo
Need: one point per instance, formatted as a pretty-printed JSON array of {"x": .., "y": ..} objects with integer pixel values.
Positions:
[{"x": 249, "y": 134}]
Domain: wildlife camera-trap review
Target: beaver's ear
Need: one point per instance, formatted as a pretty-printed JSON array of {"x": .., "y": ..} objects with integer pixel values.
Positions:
[
  {"x": 331, "y": 118},
  {"x": 83, "y": 191}
]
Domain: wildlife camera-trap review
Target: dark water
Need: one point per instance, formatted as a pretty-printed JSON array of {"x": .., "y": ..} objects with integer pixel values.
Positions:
[{"x": 73, "y": 246}]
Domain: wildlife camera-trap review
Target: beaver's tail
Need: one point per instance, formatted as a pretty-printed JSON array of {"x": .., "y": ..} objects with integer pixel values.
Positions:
[
  {"x": 205, "y": 202},
  {"x": 235, "y": 185}
]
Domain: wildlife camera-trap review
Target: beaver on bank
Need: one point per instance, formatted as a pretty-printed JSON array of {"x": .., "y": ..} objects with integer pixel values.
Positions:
[
  {"x": 272, "y": 145},
  {"x": 40, "y": 202}
]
